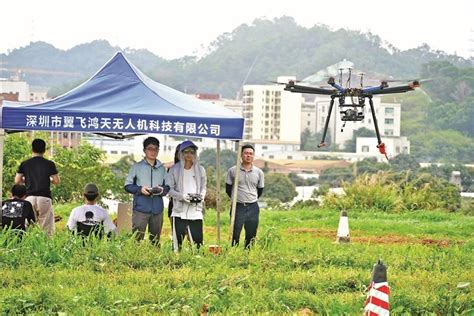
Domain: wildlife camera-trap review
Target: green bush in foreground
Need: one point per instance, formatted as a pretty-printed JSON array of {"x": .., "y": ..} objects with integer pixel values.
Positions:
[{"x": 294, "y": 265}]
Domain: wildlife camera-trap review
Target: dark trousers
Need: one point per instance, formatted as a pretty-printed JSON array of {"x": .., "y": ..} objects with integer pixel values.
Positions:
[
  {"x": 246, "y": 215},
  {"x": 140, "y": 221},
  {"x": 190, "y": 228}
]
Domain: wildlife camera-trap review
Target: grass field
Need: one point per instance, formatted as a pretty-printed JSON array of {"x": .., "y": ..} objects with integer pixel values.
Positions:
[{"x": 295, "y": 268}]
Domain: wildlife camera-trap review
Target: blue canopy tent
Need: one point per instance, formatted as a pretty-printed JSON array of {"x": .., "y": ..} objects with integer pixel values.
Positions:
[{"x": 120, "y": 99}]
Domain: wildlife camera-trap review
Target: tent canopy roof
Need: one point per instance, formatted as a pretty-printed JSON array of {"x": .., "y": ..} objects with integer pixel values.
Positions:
[{"x": 119, "y": 98}]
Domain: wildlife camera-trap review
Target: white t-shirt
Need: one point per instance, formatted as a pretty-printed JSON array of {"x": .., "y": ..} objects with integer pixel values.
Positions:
[
  {"x": 90, "y": 215},
  {"x": 189, "y": 210},
  {"x": 189, "y": 181}
]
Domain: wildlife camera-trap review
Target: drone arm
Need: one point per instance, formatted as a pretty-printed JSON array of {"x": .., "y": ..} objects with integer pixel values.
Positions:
[
  {"x": 337, "y": 86},
  {"x": 308, "y": 89},
  {"x": 331, "y": 104},
  {"x": 399, "y": 89}
]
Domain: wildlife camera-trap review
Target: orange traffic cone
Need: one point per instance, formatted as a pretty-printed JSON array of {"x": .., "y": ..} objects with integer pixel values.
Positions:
[
  {"x": 343, "y": 229},
  {"x": 378, "y": 292}
]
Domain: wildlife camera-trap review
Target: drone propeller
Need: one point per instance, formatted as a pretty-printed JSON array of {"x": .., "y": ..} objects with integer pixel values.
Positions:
[
  {"x": 398, "y": 80},
  {"x": 284, "y": 83},
  {"x": 408, "y": 80}
]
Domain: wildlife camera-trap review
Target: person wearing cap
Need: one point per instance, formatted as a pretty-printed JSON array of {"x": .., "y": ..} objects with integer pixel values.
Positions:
[
  {"x": 145, "y": 181},
  {"x": 37, "y": 173},
  {"x": 90, "y": 218},
  {"x": 187, "y": 182},
  {"x": 249, "y": 190}
]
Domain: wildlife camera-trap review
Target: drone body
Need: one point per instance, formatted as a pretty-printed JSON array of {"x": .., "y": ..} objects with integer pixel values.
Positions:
[{"x": 351, "y": 111}]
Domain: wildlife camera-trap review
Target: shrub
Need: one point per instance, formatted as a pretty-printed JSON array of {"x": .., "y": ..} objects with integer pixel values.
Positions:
[
  {"x": 467, "y": 206},
  {"x": 278, "y": 186},
  {"x": 396, "y": 192},
  {"x": 310, "y": 204},
  {"x": 211, "y": 199},
  {"x": 367, "y": 192}
]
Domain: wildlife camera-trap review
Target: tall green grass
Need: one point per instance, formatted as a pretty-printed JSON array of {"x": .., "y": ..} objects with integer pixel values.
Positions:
[
  {"x": 295, "y": 264},
  {"x": 396, "y": 192}
]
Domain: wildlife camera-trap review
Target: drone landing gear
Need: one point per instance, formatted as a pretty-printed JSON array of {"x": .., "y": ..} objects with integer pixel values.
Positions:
[
  {"x": 380, "y": 145},
  {"x": 381, "y": 148},
  {"x": 343, "y": 125},
  {"x": 331, "y": 104}
]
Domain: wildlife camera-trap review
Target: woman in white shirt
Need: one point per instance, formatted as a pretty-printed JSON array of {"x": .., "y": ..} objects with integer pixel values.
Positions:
[{"x": 187, "y": 182}]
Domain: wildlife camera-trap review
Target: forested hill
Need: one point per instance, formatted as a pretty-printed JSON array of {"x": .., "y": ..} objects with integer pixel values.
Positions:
[{"x": 274, "y": 47}]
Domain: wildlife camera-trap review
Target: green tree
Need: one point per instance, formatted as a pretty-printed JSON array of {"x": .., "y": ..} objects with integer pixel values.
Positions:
[
  {"x": 208, "y": 158},
  {"x": 442, "y": 146},
  {"x": 17, "y": 147},
  {"x": 81, "y": 165},
  {"x": 122, "y": 166},
  {"x": 444, "y": 172},
  {"x": 370, "y": 165},
  {"x": 300, "y": 181},
  {"x": 335, "y": 176},
  {"x": 278, "y": 186},
  {"x": 404, "y": 162},
  {"x": 310, "y": 141}
]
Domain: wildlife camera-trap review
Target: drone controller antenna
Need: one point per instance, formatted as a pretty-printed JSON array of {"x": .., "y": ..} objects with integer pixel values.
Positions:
[
  {"x": 343, "y": 125},
  {"x": 348, "y": 82},
  {"x": 340, "y": 76}
]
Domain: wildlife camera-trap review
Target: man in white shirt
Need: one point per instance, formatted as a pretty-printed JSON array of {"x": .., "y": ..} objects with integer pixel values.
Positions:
[{"x": 90, "y": 218}]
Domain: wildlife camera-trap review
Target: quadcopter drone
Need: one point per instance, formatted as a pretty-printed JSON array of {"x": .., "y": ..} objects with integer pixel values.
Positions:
[{"x": 353, "y": 111}]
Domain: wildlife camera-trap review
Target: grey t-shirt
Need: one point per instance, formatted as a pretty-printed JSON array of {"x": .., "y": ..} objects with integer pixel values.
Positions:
[{"x": 249, "y": 181}]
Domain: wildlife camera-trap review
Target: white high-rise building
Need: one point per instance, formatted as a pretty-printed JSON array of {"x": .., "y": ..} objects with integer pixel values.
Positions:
[{"x": 272, "y": 114}]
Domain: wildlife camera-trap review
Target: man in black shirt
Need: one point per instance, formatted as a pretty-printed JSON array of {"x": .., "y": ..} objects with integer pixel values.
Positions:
[
  {"x": 37, "y": 173},
  {"x": 17, "y": 211}
]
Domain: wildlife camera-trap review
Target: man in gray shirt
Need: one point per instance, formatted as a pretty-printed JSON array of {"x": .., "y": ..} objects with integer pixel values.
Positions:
[{"x": 250, "y": 188}]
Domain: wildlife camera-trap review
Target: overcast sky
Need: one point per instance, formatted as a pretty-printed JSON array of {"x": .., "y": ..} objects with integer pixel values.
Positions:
[{"x": 175, "y": 28}]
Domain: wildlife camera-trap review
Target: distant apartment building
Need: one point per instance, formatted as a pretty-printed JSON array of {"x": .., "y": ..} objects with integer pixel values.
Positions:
[
  {"x": 272, "y": 114},
  {"x": 26, "y": 93},
  {"x": 235, "y": 105},
  {"x": 8, "y": 96},
  {"x": 38, "y": 94},
  {"x": 388, "y": 117},
  {"x": 308, "y": 117},
  {"x": 13, "y": 87},
  {"x": 16, "y": 90}
]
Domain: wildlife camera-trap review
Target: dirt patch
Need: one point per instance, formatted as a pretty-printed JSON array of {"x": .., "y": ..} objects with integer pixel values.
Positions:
[
  {"x": 316, "y": 232},
  {"x": 441, "y": 242},
  {"x": 396, "y": 239},
  {"x": 387, "y": 239}
]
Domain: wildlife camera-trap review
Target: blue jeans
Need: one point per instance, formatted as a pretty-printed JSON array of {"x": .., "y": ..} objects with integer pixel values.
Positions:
[{"x": 246, "y": 215}]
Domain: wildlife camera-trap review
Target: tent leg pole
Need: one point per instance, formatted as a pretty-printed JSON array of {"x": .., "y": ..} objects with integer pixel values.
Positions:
[
  {"x": 218, "y": 189},
  {"x": 235, "y": 189},
  {"x": 2, "y": 143},
  {"x": 52, "y": 144}
]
